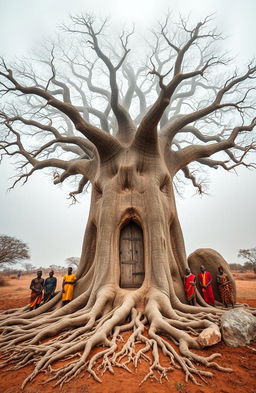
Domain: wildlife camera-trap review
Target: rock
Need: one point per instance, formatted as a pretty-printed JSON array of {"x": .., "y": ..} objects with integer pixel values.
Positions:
[
  {"x": 238, "y": 327},
  {"x": 209, "y": 336},
  {"x": 211, "y": 259}
]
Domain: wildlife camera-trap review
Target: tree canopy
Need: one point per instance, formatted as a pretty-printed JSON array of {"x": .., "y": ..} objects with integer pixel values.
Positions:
[
  {"x": 73, "y": 261},
  {"x": 249, "y": 255},
  {"x": 77, "y": 94},
  {"x": 12, "y": 250}
]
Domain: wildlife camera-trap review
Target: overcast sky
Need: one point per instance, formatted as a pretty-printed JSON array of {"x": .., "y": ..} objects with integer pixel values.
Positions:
[{"x": 39, "y": 212}]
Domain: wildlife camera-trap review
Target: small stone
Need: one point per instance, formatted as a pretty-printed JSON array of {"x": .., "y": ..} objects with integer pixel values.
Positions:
[
  {"x": 209, "y": 336},
  {"x": 238, "y": 327}
]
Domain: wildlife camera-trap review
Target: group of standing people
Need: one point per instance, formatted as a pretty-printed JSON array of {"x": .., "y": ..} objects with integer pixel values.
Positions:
[
  {"x": 44, "y": 290},
  {"x": 205, "y": 282}
]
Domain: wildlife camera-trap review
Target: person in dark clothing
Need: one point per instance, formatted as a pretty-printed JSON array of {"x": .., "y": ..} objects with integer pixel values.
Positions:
[
  {"x": 36, "y": 286},
  {"x": 49, "y": 286}
]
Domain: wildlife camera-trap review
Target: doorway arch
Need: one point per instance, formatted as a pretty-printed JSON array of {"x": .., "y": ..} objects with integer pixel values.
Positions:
[{"x": 132, "y": 271}]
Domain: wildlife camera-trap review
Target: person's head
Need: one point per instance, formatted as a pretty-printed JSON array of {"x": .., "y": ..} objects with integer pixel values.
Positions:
[
  {"x": 39, "y": 273},
  {"x": 70, "y": 270},
  {"x": 51, "y": 273},
  {"x": 202, "y": 268},
  {"x": 220, "y": 269},
  {"x": 187, "y": 271}
]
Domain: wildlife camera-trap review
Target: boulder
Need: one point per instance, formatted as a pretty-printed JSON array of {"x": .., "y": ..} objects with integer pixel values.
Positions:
[
  {"x": 211, "y": 259},
  {"x": 238, "y": 327},
  {"x": 209, "y": 336}
]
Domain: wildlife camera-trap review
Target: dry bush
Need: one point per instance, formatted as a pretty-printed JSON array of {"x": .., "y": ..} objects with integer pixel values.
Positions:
[
  {"x": 3, "y": 282},
  {"x": 244, "y": 276}
]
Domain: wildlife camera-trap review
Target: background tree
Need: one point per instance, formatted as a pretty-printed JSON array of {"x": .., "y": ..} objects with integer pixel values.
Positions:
[
  {"x": 236, "y": 266},
  {"x": 12, "y": 250},
  {"x": 250, "y": 256},
  {"x": 131, "y": 129},
  {"x": 30, "y": 268},
  {"x": 58, "y": 269},
  {"x": 73, "y": 262}
]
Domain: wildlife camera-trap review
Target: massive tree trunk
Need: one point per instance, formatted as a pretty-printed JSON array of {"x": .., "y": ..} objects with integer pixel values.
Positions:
[
  {"x": 134, "y": 187},
  {"x": 132, "y": 200}
]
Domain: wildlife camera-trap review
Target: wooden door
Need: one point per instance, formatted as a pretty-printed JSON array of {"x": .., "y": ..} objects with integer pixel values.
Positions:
[{"x": 131, "y": 256}]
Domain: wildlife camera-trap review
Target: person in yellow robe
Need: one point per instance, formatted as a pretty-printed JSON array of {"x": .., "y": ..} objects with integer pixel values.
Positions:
[{"x": 69, "y": 280}]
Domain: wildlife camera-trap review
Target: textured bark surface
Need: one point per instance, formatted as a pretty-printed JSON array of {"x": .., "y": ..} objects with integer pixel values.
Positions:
[{"x": 135, "y": 186}]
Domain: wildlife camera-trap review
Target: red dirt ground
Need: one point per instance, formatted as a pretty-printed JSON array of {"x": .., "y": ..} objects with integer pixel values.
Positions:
[{"x": 242, "y": 360}]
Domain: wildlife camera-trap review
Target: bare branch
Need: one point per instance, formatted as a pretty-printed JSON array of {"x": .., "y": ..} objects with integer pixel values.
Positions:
[
  {"x": 79, "y": 190},
  {"x": 195, "y": 152},
  {"x": 153, "y": 116},
  {"x": 193, "y": 179},
  {"x": 177, "y": 124},
  {"x": 105, "y": 143},
  {"x": 125, "y": 123}
]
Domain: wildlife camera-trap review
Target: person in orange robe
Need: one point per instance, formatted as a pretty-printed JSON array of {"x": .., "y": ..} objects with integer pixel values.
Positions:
[
  {"x": 36, "y": 286},
  {"x": 190, "y": 286},
  {"x": 205, "y": 280},
  {"x": 69, "y": 280}
]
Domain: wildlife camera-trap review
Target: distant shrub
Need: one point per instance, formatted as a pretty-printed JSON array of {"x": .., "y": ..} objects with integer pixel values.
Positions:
[
  {"x": 244, "y": 276},
  {"x": 3, "y": 282}
]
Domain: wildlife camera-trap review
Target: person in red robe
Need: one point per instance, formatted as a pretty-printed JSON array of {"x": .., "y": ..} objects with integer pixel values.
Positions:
[
  {"x": 205, "y": 280},
  {"x": 190, "y": 286}
]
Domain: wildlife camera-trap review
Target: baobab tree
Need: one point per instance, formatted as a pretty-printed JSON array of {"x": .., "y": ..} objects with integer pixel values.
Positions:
[{"x": 132, "y": 130}]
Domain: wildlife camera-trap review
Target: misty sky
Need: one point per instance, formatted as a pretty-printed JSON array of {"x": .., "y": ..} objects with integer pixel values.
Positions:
[{"x": 39, "y": 213}]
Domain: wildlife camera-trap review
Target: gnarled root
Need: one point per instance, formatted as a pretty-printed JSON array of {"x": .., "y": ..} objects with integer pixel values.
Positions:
[{"x": 113, "y": 312}]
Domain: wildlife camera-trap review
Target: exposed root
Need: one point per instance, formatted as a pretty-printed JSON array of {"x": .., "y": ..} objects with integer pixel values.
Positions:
[{"x": 23, "y": 340}]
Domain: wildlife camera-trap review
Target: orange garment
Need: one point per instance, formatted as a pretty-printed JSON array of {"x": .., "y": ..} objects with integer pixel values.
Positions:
[
  {"x": 68, "y": 288},
  {"x": 208, "y": 295},
  {"x": 35, "y": 299},
  {"x": 226, "y": 291}
]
